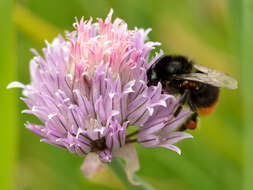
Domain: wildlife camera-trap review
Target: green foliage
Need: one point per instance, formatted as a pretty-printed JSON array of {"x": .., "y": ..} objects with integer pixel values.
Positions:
[{"x": 247, "y": 67}]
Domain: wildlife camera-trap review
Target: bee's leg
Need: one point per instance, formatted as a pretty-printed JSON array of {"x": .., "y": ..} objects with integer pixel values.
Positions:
[
  {"x": 182, "y": 101},
  {"x": 184, "y": 98},
  {"x": 191, "y": 122},
  {"x": 192, "y": 106}
]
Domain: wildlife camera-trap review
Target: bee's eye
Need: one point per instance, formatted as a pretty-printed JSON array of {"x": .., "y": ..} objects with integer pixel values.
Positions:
[{"x": 154, "y": 76}]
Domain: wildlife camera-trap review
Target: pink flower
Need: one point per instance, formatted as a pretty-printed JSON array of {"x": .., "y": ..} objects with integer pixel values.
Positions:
[{"x": 89, "y": 88}]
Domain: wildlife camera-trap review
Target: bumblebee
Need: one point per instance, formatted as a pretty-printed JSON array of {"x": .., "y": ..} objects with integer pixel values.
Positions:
[{"x": 198, "y": 85}]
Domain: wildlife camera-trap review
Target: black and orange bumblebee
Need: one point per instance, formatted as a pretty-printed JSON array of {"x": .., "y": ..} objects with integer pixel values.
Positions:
[{"x": 198, "y": 85}]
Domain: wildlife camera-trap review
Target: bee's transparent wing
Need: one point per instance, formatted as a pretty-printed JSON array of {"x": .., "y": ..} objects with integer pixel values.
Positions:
[
  {"x": 205, "y": 69},
  {"x": 210, "y": 76}
]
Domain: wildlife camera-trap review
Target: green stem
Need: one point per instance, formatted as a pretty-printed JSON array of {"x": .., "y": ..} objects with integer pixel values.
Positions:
[
  {"x": 119, "y": 170},
  {"x": 132, "y": 134},
  {"x": 8, "y": 112}
]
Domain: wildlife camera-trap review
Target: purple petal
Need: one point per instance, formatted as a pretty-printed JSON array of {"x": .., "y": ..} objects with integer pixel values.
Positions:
[{"x": 16, "y": 84}]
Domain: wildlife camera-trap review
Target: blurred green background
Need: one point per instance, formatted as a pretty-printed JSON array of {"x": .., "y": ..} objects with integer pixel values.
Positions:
[{"x": 214, "y": 33}]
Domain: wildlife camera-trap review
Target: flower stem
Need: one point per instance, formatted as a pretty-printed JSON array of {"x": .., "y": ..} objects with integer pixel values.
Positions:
[
  {"x": 119, "y": 170},
  {"x": 131, "y": 140},
  {"x": 132, "y": 134}
]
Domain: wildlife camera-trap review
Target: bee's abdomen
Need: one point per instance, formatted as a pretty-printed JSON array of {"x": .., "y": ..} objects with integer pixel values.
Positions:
[
  {"x": 205, "y": 99},
  {"x": 207, "y": 110}
]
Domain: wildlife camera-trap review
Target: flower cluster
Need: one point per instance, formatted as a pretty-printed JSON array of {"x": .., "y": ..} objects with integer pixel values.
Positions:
[{"x": 89, "y": 88}]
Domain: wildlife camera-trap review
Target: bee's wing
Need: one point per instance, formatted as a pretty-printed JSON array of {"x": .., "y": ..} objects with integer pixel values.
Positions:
[
  {"x": 205, "y": 69},
  {"x": 210, "y": 76}
]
